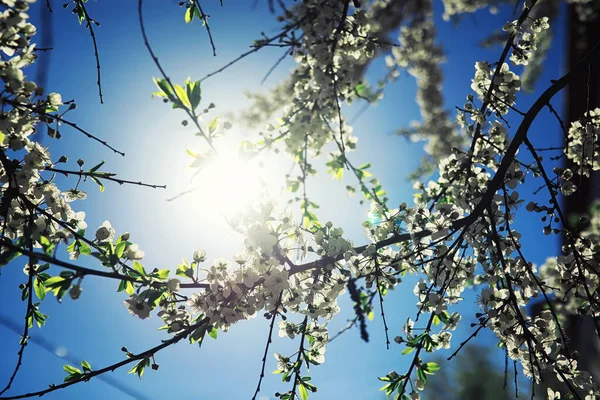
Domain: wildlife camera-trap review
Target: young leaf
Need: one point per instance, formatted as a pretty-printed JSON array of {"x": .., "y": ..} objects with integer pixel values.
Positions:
[
  {"x": 97, "y": 167},
  {"x": 213, "y": 332},
  {"x": 69, "y": 369},
  {"x": 431, "y": 367},
  {"x": 99, "y": 183},
  {"x": 189, "y": 14},
  {"x": 212, "y": 127},
  {"x": 139, "y": 268},
  {"x": 40, "y": 289},
  {"x": 303, "y": 392},
  {"x": 86, "y": 366},
  {"x": 182, "y": 96}
]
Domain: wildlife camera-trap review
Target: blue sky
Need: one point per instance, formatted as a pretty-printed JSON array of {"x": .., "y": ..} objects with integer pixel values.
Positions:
[{"x": 96, "y": 326}]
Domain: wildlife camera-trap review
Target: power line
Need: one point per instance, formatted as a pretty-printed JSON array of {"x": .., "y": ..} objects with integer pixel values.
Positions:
[{"x": 58, "y": 352}]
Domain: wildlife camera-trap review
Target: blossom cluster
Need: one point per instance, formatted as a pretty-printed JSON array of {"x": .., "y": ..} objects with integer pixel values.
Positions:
[
  {"x": 527, "y": 39},
  {"x": 421, "y": 57},
  {"x": 503, "y": 87},
  {"x": 582, "y": 147},
  {"x": 31, "y": 203}
]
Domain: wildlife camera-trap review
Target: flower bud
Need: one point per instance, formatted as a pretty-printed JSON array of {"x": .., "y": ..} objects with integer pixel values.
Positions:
[
  {"x": 102, "y": 233},
  {"x": 173, "y": 285},
  {"x": 200, "y": 256},
  {"x": 75, "y": 292}
]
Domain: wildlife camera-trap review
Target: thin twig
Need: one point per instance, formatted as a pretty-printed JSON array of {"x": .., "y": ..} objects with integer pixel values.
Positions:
[
  {"x": 298, "y": 361},
  {"x": 205, "y": 20},
  {"x": 269, "y": 340},
  {"x": 104, "y": 175},
  {"x": 279, "y": 60},
  {"x": 377, "y": 272},
  {"x": 24, "y": 336},
  {"x": 189, "y": 112},
  {"x": 350, "y": 324},
  {"x": 89, "y": 21},
  {"x": 256, "y": 47},
  {"x": 88, "y": 375},
  {"x": 40, "y": 111}
]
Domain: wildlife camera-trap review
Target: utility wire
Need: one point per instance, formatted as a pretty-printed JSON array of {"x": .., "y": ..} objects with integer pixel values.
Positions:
[{"x": 57, "y": 350}]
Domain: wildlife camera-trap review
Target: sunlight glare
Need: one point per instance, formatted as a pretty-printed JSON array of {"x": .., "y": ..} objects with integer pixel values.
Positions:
[{"x": 228, "y": 184}]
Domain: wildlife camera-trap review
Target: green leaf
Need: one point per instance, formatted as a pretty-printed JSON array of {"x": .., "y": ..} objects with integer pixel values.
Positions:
[
  {"x": 40, "y": 318},
  {"x": 189, "y": 14},
  {"x": 194, "y": 93},
  {"x": 94, "y": 169},
  {"x": 182, "y": 96},
  {"x": 99, "y": 183},
  {"x": 431, "y": 367},
  {"x": 407, "y": 350},
  {"x": 161, "y": 274},
  {"x": 80, "y": 13},
  {"x": 165, "y": 88},
  {"x": 427, "y": 343},
  {"x": 120, "y": 248},
  {"x": 69, "y": 369},
  {"x": 444, "y": 317},
  {"x": 198, "y": 335},
  {"x": 71, "y": 246},
  {"x": 24, "y": 293},
  {"x": 293, "y": 186},
  {"x": 43, "y": 268},
  {"x": 129, "y": 289},
  {"x": 126, "y": 286},
  {"x": 54, "y": 281},
  {"x": 139, "y": 268},
  {"x": 84, "y": 249},
  {"x": 370, "y": 315},
  {"x": 86, "y": 366},
  {"x": 44, "y": 241},
  {"x": 212, "y": 127},
  {"x": 121, "y": 286},
  {"x": 9, "y": 256},
  {"x": 303, "y": 392},
  {"x": 213, "y": 332},
  {"x": 386, "y": 388},
  {"x": 338, "y": 173},
  {"x": 360, "y": 89},
  {"x": 59, "y": 284},
  {"x": 73, "y": 377},
  {"x": 138, "y": 368},
  {"x": 184, "y": 270},
  {"x": 40, "y": 289}
]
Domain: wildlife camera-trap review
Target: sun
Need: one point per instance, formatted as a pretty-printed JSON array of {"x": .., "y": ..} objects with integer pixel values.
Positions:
[{"x": 227, "y": 183}]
